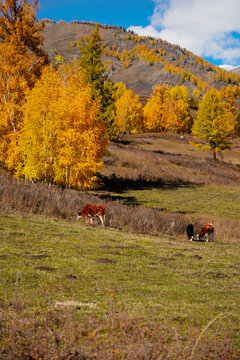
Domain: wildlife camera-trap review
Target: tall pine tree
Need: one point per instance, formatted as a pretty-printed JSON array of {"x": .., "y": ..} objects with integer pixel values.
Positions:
[{"x": 91, "y": 50}]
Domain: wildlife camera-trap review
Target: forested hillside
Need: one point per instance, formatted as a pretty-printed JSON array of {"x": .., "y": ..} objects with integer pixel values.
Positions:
[{"x": 139, "y": 62}]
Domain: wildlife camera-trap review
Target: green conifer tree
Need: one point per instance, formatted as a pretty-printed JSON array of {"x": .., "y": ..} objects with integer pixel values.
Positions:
[{"x": 91, "y": 50}]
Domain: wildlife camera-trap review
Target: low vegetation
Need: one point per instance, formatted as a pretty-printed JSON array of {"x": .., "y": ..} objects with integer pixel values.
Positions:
[
  {"x": 213, "y": 201},
  {"x": 66, "y": 293}
]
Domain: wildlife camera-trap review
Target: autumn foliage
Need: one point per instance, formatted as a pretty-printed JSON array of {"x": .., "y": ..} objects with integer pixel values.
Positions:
[
  {"x": 21, "y": 62},
  {"x": 129, "y": 113},
  {"x": 49, "y": 125},
  {"x": 168, "y": 109},
  {"x": 61, "y": 140},
  {"x": 215, "y": 123}
]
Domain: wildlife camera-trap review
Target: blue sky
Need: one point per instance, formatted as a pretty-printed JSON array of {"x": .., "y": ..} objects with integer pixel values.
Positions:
[
  {"x": 113, "y": 12},
  {"x": 208, "y": 28}
]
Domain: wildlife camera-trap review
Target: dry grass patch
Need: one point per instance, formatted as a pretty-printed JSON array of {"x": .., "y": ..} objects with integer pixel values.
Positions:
[{"x": 159, "y": 157}]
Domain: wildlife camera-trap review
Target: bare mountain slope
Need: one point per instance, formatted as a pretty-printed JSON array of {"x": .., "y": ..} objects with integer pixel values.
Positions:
[
  {"x": 141, "y": 74},
  {"x": 236, "y": 70}
]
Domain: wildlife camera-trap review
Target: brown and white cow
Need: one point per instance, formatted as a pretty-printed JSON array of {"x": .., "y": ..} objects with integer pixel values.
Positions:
[
  {"x": 90, "y": 211},
  {"x": 207, "y": 231}
]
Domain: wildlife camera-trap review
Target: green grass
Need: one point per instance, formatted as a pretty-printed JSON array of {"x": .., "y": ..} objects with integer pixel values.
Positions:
[
  {"x": 220, "y": 201},
  {"x": 170, "y": 278}
]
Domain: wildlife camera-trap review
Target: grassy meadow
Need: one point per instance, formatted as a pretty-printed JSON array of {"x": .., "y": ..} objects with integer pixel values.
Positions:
[
  {"x": 164, "y": 283},
  {"x": 218, "y": 201},
  {"x": 137, "y": 288}
]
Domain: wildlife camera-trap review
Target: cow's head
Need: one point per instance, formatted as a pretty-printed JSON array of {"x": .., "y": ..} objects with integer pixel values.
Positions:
[{"x": 79, "y": 215}]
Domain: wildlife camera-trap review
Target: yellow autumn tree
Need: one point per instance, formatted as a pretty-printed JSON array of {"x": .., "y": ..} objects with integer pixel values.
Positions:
[
  {"x": 168, "y": 109},
  {"x": 214, "y": 123},
  {"x": 119, "y": 90},
  {"x": 236, "y": 91},
  {"x": 154, "y": 109},
  {"x": 129, "y": 113},
  {"x": 229, "y": 99},
  {"x": 196, "y": 93},
  {"x": 21, "y": 60},
  {"x": 62, "y": 140},
  {"x": 176, "y": 116},
  {"x": 179, "y": 93}
]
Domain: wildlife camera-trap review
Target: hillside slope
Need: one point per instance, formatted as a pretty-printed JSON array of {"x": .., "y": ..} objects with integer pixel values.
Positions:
[
  {"x": 236, "y": 70},
  {"x": 146, "y": 61}
]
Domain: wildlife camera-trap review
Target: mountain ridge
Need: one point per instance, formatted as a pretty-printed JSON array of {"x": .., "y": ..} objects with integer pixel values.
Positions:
[{"x": 139, "y": 62}]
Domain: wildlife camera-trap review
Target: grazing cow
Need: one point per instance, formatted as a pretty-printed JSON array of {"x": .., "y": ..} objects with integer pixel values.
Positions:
[
  {"x": 90, "y": 211},
  {"x": 207, "y": 231},
  {"x": 190, "y": 232}
]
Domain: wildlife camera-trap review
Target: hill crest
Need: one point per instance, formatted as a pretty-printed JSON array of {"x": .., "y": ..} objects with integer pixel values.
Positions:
[{"x": 139, "y": 62}]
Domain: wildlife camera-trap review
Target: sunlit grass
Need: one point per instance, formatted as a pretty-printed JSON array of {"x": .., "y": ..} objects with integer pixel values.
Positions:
[
  {"x": 50, "y": 261},
  {"x": 220, "y": 201}
]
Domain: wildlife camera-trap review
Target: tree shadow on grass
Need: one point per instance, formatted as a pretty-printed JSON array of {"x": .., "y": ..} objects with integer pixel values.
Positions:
[
  {"x": 166, "y": 153},
  {"x": 120, "y": 185},
  {"x": 121, "y": 141},
  {"x": 127, "y": 200}
]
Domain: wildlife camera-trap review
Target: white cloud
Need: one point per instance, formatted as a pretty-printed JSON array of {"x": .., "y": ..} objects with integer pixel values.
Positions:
[
  {"x": 226, "y": 67},
  {"x": 204, "y": 27},
  {"x": 145, "y": 31}
]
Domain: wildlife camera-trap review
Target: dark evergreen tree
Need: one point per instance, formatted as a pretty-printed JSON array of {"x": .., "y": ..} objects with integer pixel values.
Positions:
[{"x": 91, "y": 50}]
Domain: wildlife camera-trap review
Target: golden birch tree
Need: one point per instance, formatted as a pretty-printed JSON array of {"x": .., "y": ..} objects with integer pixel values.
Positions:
[
  {"x": 129, "y": 113},
  {"x": 168, "y": 109},
  {"x": 61, "y": 141},
  {"x": 179, "y": 93},
  {"x": 153, "y": 110},
  {"x": 176, "y": 116}
]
